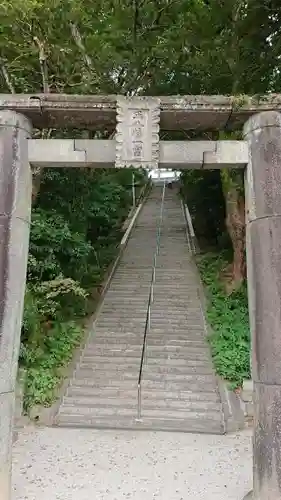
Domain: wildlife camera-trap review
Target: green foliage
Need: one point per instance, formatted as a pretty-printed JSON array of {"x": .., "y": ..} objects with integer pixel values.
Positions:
[
  {"x": 154, "y": 46},
  {"x": 43, "y": 364},
  {"x": 54, "y": 246},
  {"x": 228, "y": 318}
]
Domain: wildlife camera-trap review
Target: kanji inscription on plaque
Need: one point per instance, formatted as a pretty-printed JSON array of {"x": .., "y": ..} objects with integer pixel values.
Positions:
[{"x": 137, "y": 137}]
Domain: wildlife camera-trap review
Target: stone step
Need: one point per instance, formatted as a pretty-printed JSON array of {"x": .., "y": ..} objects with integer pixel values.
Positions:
[
  {"x": 164, "y": 338},
  {"x": 179, "y": 390},
  {"x": 155, "y": 342},
  {"x": 146, "y": 403},
  {"x": 127, "y": 286},
  {"x": 174, "y": 358},
  {"x": 131, "y": 341},
  {"x": 172, "y": 331},
  {"x": 113, "y": 321},
  {"x": 150, "y": 385},
  {"x": 132, "y": 302},
  {"x": 150, "y": 374},
  {"x": 110, "y": 368},
  {"x": 192, "y": 363},
  {"x": 166, "y": 412},
  {"x": 130, "y": 378},
  {"x": 98, "y": 375},
  {"x": 176, "y": 285},
  {"x": 148, "y": 368},
  {"x": 123, "y": 341},
  {"x": 156, "y": 311},
  {"x": 159, "y": 394},
  {"x": 193, "y": 332},
  {"x": 171, "y": 372},
  {"x": 142, "y": 262},
  {"x": 134, "y": 297},
  {"x": 158, "y": 355},
  {"x": 174, "y": 315},
  {"x": 201, "y": 425},
  {"x": 183, "y": 283},
  {"x": 120, "y": 318},
  {"x": 173, "y": 322}
]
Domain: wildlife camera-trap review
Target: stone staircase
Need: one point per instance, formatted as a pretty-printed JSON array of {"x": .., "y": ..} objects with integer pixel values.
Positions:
[{"x": 179, "y": 387}]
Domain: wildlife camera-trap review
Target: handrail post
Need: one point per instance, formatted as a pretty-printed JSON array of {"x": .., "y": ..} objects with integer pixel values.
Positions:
[
  {"x": 133, "y": 190},
  {"x": 139, "y": 401}
]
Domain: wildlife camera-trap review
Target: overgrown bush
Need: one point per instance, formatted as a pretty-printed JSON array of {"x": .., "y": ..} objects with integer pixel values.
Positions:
[
  {"x": 228, "y": 318},
  {"x": 43, "y": 362}
]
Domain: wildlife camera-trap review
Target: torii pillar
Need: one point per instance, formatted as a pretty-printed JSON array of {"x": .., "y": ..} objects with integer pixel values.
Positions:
[
  {"x": 15, "y": 208},
  {"x": 263, "y": 212}
]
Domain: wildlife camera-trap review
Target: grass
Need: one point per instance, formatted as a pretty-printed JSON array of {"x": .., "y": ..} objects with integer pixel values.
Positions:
[{"x": 228, "y": 319}]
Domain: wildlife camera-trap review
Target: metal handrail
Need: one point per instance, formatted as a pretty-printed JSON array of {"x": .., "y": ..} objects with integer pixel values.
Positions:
[
  {"x": 190, "y": 235},
  {"x": 150, "y": 299}
]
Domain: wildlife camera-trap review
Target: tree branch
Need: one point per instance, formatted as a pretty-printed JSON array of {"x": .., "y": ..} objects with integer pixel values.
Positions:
[
  {"x": 37, "y": 174},
  {"x": 137, "y": 80},
  {"x": 79, "y": 42},
  {"x": 43, "y": 64},
  {"x": 157, "y": 18},
  {"x": 136, "y": 22},
  {"x": 6, "y": 77}
]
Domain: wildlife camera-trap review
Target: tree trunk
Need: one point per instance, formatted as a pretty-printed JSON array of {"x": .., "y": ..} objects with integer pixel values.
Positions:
[{"x": 232, "y": 184}]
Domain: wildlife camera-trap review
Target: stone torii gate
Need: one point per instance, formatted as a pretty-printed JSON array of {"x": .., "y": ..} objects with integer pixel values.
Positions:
[{"x": 136, "y": 143}]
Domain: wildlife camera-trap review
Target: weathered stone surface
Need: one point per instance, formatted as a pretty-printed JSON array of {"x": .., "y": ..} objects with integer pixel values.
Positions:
[
  {"x": 172, "y": 154},
  {"x": 99, "y": 153},
  {"x": 265, "y": 234},
  {"x": 247, "y": 390},
  {"x": 137, "y": 136},
  {"x": 249, "y": 496},
  {"x": 55, "y": 153},
  {"x": 267, "y": 442},
  {"x": 15, "y": 208},
  {"x": 177, "y": 112},
  {"x": 263, "y": 133},
  {"x": 180, "y": 154},
  {"x": 6, "y": 435},
  {"x": 249, "y": 410},
  {"x": 263, "y": 210},
  {"x": 14, "y": 235},
  {"x": 227, "y": 154},
  {"x": 14, "y": 180}
]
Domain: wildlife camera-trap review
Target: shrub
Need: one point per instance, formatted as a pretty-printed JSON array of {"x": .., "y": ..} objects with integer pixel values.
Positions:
[{"x": 228, "y": 318}]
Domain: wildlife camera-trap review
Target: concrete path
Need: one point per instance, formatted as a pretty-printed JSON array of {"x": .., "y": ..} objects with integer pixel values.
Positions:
[{"x": 87, "y": 464}]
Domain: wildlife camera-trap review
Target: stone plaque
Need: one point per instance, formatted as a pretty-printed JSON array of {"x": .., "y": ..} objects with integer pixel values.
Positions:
[{"x": 137, "y": 132}]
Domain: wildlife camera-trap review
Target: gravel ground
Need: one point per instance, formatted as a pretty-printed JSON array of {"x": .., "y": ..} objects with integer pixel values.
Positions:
[{"x": 83, "y": 464}]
